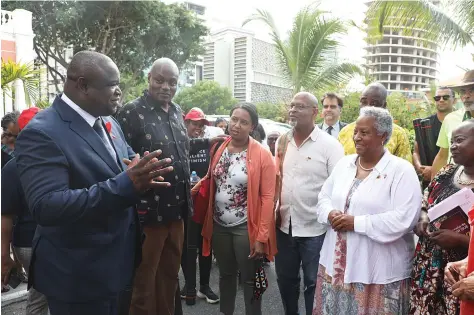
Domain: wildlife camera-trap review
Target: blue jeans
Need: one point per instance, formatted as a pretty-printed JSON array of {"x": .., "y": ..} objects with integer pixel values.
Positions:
[{"x": 294, "y": 252}]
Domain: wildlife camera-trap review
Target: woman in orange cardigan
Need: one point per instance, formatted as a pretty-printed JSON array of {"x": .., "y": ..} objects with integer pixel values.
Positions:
[{"x": 240, "y": 218}]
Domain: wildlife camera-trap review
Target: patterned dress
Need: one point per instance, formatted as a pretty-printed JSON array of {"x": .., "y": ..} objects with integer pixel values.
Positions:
[
  {"x": 230, "y": 174},
  {"x": 334, "y": 297},
  {"x": 429, "y": 296}
]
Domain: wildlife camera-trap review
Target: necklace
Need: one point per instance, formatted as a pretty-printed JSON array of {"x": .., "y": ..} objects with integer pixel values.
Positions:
[
  {"x": 365, "y": 169},
  {"x": 462, "y": 181}
]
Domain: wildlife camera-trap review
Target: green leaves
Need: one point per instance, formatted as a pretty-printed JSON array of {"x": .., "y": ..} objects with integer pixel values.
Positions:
[
  {"x": 12, "y": 71},
  {"x": 307, "y": 59},
  {"x": 452, "y": 25},
  {"x": 208, "y": 96},
  {"x": 132, "y": 33}
]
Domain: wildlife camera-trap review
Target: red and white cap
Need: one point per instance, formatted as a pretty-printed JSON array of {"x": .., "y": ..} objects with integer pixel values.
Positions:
[{"x": 196, "y": 114}]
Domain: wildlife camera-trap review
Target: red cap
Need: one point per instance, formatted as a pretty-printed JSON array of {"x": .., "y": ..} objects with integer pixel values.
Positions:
[
  {"x": 196, "y": 114},
  {"x": 26, "y": 116}
]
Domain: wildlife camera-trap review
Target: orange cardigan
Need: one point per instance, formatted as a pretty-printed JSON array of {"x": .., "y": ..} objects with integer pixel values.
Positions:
[{"x": 260, "y": 194}]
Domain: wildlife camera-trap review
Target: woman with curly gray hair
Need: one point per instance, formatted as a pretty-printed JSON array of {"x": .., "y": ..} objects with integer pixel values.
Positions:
[{"x": 371, "y": 201}]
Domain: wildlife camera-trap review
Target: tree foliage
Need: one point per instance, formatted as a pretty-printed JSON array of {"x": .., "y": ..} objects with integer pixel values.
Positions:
[
  {"x": 451, "y": 25},
  {"x": 132, "y": 33},
  {"x": 275, "y": 112},
  {"x": 208, "y": 96},
  {"x": 12, "y": 71},
  {"x": 307, "y": 59}
]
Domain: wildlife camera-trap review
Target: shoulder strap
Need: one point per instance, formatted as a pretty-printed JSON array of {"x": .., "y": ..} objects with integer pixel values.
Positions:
[{"x": 282, "y": 146}]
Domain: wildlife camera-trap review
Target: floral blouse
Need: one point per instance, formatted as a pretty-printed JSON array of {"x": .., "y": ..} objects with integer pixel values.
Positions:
[{"x": 230, "y": 174}]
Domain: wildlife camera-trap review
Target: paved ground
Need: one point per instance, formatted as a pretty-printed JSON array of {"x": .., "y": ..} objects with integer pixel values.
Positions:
[{"x": 271, "y": 299}]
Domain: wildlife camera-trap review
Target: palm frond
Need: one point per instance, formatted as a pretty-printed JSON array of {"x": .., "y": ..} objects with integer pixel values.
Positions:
[
  {"x": 12, "y": 71},
  {"x": 281, "y": 47},
  {"x": 334, "y": 73},
  {"x": 312, "y": 43},
  {"x": 420, "y": 18}
]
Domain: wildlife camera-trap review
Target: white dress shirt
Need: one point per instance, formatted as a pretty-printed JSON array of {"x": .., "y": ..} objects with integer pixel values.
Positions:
[
  {"x": 335, "y": 129},
  {"x": 386, "y": 207},
  {"x": 304, "y": 171}
]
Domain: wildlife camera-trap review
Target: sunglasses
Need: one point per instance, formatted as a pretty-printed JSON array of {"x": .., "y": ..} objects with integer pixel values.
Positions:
[{"x": 445, "y": 97}]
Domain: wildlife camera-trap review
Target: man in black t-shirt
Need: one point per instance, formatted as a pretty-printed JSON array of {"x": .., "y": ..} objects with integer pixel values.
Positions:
[{"x": 445, "y": 101}]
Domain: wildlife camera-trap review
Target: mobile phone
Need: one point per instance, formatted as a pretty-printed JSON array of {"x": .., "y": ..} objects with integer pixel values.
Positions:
[{"x": 14, "y": 279}]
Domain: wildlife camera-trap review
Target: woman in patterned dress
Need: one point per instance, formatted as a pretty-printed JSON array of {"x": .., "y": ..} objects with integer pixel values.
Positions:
[
  {"x": 429, "y": 293},
  {"x": 372, "y": 202},
  {"x": 240, "y": 218}
]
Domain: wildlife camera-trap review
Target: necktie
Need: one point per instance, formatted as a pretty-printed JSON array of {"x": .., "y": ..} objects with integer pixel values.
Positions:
[
  {"x": 329, "y": 130},
  {"x": 98, "y": 127}
]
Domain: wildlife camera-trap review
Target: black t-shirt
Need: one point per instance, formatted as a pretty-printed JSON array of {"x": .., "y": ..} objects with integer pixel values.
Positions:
[
  {"x": 14, "y": 203},
  {"x": 435, "y": 128},
  {"x": 199, "y": 161}
]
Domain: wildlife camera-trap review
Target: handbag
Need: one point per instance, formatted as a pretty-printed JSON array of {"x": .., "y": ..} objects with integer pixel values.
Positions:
[
  {"x": 261, "y": 282},
  {"x": 201, "y": 192}
]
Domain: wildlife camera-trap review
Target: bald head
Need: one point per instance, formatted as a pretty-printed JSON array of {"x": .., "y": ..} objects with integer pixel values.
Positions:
[
  {"x": 375, "y": 94},
  {"x": 87, "y": 64},
  {"x": 462, "y": 144},
  {"x": 163, "y": 81},
  {"x": 468, "y": 126},
  {"x": 310, "y": 98},
  {"x": 303, "y": 111},
  {"x": 93, "y": 83},
  {"x": 164, "y": 63}
]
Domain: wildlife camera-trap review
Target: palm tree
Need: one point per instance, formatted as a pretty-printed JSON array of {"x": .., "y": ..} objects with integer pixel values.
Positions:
[
  {"x": 307, "y": 58},
  {"x": 12, "y": 71},
  {"x": 452, "y": 25}
]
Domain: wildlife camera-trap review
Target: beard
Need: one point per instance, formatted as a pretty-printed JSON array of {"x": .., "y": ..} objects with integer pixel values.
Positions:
[
  {"x": 292, "y": 123},
  {"x": 469, "y": 106}
]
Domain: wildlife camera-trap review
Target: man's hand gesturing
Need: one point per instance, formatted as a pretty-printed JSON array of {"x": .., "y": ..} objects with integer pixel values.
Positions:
[{"x": 146, "y": 173}]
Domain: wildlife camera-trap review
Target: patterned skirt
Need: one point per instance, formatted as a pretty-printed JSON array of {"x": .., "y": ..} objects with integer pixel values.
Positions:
[{"x": 360, "y": 299}]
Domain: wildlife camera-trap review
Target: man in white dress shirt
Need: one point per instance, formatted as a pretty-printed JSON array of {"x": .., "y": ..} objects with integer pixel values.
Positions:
[
  {"x": 309, "y": 160},
  {"x": 332, "y": 109}
]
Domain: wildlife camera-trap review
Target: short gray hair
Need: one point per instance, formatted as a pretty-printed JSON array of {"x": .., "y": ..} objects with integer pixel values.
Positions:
[{"x": 383, "y": 120}]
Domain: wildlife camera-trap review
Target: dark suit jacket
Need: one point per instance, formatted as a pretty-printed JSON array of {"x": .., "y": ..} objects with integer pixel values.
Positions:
[
  {"x": 87, "y": 240},
  {"x": 341, "y": 125}
]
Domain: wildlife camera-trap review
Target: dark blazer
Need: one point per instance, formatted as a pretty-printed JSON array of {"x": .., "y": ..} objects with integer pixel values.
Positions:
[
  {"x": 341, "y": 125},
  {"x": 87, "y": 241}
]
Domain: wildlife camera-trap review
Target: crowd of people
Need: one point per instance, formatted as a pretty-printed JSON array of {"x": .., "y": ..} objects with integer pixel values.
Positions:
[{"x": 103, "y": 204}]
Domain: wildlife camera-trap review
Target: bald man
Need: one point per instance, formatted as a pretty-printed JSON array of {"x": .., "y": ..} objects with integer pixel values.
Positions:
[
  {"x": 375, "y": 94},
  {"x": 305, "y": 157},
  {"x": 151, "y": 122},
  {"x": 70, "y": 158}
]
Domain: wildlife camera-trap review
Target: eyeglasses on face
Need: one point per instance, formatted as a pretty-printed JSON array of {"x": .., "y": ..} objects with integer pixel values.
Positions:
[
  {"x": 445, "y": 97},
  {"x": 469, "y": 90}
]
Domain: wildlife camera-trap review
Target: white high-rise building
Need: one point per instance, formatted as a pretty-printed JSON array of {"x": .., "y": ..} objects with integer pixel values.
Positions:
[
  {"x": 247, "y": 65},
  {"x": 402, "y": 63}
]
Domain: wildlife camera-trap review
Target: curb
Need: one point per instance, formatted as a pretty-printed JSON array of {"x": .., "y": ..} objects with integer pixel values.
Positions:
[{"x": 14, "y": 297}]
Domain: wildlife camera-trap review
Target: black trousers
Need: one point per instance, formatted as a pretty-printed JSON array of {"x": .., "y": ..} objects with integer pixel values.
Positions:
[
  {"x": 192, "y": 246},
  {"x": 99, "y": 307}
]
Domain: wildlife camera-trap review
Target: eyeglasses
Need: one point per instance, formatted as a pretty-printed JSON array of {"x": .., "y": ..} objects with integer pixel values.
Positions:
[
  {"x": 466, "y": 91},
  {"x": 299, "y": 107},
  {"x": 445, "y": 97}
]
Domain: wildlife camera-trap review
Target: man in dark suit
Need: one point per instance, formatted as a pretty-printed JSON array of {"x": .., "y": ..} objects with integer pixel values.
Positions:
[
  {"x": 332, "y": 108},
  {"x": 70, "y": 158}
]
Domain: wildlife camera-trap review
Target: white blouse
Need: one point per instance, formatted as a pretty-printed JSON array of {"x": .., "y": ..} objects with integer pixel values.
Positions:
[{"x": 386, "y": 206}]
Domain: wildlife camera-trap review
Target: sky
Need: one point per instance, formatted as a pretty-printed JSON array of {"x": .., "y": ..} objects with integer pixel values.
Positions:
[{"x": 224, "y": 13}]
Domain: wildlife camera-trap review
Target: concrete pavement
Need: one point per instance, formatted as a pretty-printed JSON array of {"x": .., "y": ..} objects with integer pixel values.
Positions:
[{"x": 271, "y": 298}]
